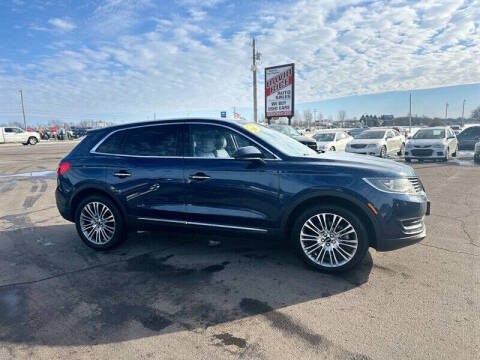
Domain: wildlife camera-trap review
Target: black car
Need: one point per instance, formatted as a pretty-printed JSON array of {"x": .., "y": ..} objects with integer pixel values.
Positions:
[
  {"x": 294, "y": 134},
  {"x": 468, "y": 138},
  {"x": 240, "y": 177}
]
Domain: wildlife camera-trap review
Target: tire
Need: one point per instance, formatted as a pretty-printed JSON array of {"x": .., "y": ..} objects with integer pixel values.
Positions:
[
  {"x": 93, "y": 205},
  {"x": 32, "y": 140},
  {"x": 445, "y": 159},
  {"x": 455, "y": 153},
  {"x": 332, "y": 148},
  {"x": 304, "y": 239},
  {"x": 383, "y": 152},
  {"x": 402, "y": 150},
  {"x": 408, "y": 160}
]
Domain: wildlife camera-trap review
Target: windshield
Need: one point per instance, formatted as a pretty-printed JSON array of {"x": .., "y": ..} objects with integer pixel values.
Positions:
[
  {"x": 325, "y": 137},
  {"x": 430, "y": 134},
  {"x": 371, "y": 135},
  {"x": 278, "y": 140},
  {"x": 285, "y": 129}
]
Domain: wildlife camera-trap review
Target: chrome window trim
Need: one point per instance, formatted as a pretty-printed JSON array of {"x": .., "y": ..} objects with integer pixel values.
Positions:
[
  {"x": 94, "y": 149},
  {"x": 204, "y": 224}
]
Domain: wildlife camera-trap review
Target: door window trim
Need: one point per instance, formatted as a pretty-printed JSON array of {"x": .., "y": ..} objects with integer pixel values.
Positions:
[{"x": 93, "y": 150}]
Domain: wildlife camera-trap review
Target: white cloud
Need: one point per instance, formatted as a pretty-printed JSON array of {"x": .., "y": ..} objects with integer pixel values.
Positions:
[
  {"x": 62, "y": 24},
  {"x": 189, "y": 64}
]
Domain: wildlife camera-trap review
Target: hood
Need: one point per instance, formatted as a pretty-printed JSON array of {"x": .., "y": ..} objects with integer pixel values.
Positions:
[
  {"x": 366, "y": 141},
  {"x": 371, "y": 166},
  {"x": 304, "y": 139},
  {"x": 425, "y": 142}
]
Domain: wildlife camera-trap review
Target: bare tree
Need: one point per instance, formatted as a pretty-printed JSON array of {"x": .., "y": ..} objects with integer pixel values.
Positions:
[
  {"x": 342, "y": 114},
  {"x": 307, "y": 116},
  {"x": 476, "y": 114}
]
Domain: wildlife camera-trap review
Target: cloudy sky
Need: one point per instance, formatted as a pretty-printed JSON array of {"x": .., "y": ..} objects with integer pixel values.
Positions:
[{"x": 126, "y": 59}]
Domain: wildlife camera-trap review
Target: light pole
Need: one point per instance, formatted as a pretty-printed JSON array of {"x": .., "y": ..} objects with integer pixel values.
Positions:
[
  {"x": 446, "y": 110},
  {"x": 410, "y": 116},
  {"x": 463, "y": 112},
  {"x": 23, "y": 110},
  {"x": 255, "y": 57}
]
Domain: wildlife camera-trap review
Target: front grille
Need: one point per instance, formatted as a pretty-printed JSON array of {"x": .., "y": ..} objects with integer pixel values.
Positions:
[
  {"x": 417, "y": 184},
  {"x": 422, "y": 152},
  {"x": 358, "y": 146}
]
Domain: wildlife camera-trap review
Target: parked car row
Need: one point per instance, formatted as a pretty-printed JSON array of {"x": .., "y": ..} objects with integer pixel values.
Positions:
[{"x": 436, "y": 143}]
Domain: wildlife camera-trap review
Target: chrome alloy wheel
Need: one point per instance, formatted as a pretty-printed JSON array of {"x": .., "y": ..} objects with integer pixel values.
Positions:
[
  {"x": 329, "y": 240},
  {"x": 97, "y": 223}
]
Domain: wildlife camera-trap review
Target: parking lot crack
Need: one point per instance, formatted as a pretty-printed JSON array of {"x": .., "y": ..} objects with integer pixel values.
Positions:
[{"x": 448, "y": 250}]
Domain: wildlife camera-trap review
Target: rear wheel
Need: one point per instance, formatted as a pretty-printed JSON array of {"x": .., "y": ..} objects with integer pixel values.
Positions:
[
  {"x": 330, "y": 238},
  {"x": 99, "y": 223},
  {"x": 32, "y": 140}
]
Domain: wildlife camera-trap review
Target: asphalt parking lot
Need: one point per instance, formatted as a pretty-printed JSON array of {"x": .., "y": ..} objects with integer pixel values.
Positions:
[{"x": 168, "y": 295}]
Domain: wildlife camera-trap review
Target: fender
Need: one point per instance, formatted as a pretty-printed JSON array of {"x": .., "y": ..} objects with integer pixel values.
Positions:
[{"x": 339, "y": 193}]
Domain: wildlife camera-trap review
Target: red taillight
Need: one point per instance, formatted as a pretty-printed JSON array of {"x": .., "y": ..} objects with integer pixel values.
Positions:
[{"x": 63, "y": 167}]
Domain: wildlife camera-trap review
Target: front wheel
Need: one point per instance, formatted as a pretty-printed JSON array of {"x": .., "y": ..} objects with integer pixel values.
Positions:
[
  {"x": 332, "y": 148},
  {"x": 99, "y": 223},
  {"x": 402, "y": 150},
  {"x": 32, "y": 140},
  {"x": 383, "y": 151},
  {"x": 455, "y": 153},
  {"x": 330, "y": 238}
]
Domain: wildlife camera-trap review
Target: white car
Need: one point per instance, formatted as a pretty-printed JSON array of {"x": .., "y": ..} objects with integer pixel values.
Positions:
[
  {"x": 379, "y": 142},
  {"x": 332, "y": 140},
  {"x": 437, "y": 143},
  {"x": 16, "y": 135}
]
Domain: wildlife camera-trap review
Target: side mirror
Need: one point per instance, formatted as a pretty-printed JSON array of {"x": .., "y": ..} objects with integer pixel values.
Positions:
[
  {"x": 409, "y": 137},
  {"x": 248, "y": 153}
]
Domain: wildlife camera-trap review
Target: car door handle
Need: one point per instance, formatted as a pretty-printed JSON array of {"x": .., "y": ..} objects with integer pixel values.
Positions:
[
  {"x": 199, "y": 177},
  {"x": 122, "y": 174}
]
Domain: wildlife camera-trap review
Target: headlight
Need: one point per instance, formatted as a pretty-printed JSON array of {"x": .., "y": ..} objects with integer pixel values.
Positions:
[
  {"x": 402, "y": 186},
  {"x": 372, "y": 145},
  {"x": 441, "y": 146}
]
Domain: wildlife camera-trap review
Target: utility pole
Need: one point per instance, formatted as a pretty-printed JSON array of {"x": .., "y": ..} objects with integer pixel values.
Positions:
[
  {"x": 23, "y": 110},
  {"x": 255, "y": 57},
  {"x": 463, "y": 112},
  {"x": 446, "y": 110},
  {"x": 410, "y": 116}
]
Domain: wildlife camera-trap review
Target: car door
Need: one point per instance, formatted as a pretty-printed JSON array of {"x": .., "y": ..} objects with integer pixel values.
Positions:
[
  {"x": 144, "y": 168},
  {"x": 224, "y": 192},
  {"x": 342, "y": 141},
  {"x": 21, "y": 135},
  {"x": 390, "y": 140},
  {"x": 451, "y": 140}
]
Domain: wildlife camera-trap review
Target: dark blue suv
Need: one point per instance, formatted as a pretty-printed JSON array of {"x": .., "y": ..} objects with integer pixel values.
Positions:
[{"x": 242, "y": 177}]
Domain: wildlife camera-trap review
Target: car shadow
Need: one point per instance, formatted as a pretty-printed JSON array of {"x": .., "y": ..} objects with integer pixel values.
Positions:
[{"x": 56, "y": 291}]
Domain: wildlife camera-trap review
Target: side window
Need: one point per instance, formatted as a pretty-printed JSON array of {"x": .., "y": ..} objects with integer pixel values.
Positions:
[
  {"x": 162, "y": 140},
  {"x": 17, "y": 130},
  {"x": 8, "y": 130},
  {"x": 210, "y": 141},
  {"x": 113, "y": 144}
]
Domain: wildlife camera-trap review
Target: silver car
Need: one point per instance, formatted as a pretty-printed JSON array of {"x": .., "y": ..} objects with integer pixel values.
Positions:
[
  {"x": 332, "y": 140},
  {"x": 435, "y": 143},
  {"x": 379, "y": 142}
]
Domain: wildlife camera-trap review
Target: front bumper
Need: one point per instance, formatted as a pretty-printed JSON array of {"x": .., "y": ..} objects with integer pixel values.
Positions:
[
  {"x": 430, "y": 153},
  {"x": 373, "y": 151}
]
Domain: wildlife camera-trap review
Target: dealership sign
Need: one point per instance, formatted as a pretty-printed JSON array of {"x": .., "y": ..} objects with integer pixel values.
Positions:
[{"x": 279, "y": 90}]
